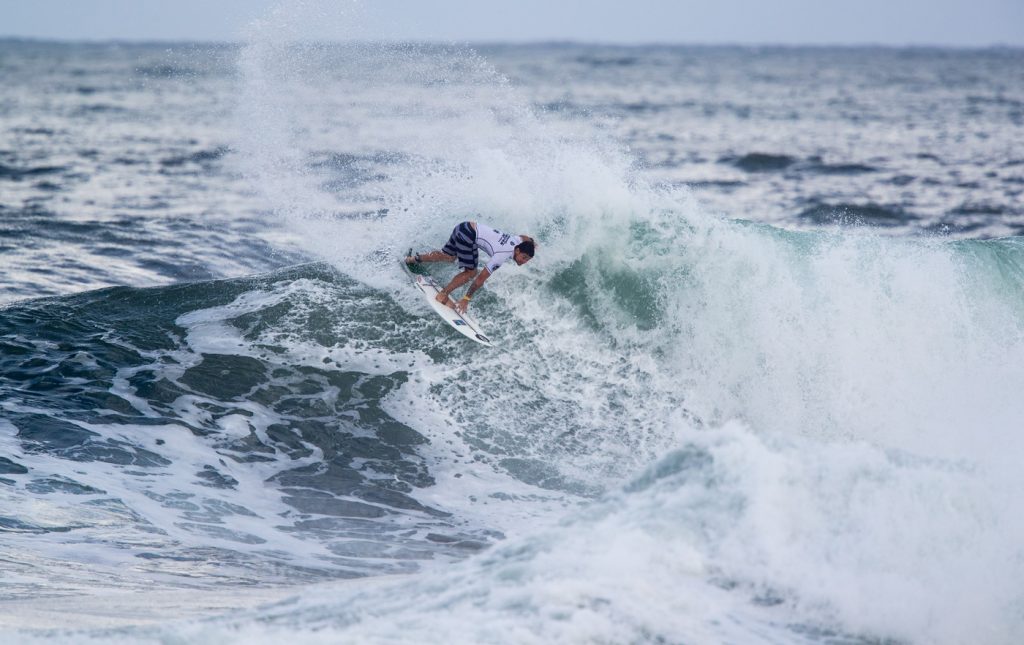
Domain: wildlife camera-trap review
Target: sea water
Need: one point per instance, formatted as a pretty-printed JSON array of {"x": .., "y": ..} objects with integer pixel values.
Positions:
[{"x": 761, "y": 383}]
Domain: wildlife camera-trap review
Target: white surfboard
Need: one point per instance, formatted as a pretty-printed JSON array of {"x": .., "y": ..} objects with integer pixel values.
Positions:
[{"x": 462, "y": 323}]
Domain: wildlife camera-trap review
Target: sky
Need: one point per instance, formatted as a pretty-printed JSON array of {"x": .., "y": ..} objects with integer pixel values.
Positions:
[{"x": 790, "y": 22}]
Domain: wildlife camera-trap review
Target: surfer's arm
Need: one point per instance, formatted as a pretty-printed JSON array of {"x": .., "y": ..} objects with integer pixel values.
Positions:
[{"x": 463, "y": 303}]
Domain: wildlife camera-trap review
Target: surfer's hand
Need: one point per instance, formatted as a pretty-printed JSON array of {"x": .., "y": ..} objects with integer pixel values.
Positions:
[{"x": 461, "y": 306}]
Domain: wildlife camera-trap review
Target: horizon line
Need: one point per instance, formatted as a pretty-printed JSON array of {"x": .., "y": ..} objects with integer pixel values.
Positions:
[{"x": 119, "y": 40}]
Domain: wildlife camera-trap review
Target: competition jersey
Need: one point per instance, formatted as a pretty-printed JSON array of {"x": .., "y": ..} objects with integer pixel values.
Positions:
[{"x": 496, "y": 244}]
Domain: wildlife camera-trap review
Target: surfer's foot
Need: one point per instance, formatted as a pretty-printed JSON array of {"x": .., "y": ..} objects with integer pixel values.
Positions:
[
  {"x": 412, "y": 258},
  {"x": 444, "y": 299}
]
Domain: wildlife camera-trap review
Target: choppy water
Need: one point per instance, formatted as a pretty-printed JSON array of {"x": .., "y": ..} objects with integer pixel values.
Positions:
[{"x": 761, "y": 383}]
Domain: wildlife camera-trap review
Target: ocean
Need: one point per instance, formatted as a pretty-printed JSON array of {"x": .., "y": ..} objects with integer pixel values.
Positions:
[{"x": 762, "y": 382}]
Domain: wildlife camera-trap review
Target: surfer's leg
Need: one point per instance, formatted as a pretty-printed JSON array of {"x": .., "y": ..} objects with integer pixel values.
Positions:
[
  {"x": 461, "y": 245},
  {"x": 461, "y": 278},
  {"x": 433, "y": 256}
]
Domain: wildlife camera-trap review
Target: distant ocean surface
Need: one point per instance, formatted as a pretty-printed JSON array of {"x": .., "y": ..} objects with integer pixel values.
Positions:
[{"x": 763, "y": 382}]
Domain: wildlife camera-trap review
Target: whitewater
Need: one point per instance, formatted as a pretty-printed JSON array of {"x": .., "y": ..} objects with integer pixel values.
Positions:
[{"x": 760, "y": 384}]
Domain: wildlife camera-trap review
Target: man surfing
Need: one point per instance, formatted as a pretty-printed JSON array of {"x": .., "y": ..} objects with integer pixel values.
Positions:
[{"x": 464, "y": 244}]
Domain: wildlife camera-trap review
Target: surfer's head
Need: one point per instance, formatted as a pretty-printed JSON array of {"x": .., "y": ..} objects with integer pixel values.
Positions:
[{"x": 523, "y": 252}]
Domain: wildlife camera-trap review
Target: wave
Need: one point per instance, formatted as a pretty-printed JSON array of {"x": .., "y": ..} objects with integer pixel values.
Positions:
[
  {"x": 760, "y": 162},
  {"x": 805, "y": 401},
  {"x": 205, "y": 159},
  {"x": 856, "y": 214},
  {"x": 112, "y": 402},
  {"x": 755, "y": 162},
  {"x": 17, "y": 174}
]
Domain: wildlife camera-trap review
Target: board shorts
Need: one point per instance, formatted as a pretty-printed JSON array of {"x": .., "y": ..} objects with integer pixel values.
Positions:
[{"x": 462, "y": 244}]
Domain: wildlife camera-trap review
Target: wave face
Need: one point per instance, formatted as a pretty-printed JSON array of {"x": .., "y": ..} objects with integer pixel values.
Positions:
[
  {"x": 225, "y": 416},
  {"x": 808, "y": 474}
]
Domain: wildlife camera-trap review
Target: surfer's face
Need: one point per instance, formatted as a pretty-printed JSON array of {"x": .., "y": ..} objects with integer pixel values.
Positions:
[{"x": 520, "y": 257}]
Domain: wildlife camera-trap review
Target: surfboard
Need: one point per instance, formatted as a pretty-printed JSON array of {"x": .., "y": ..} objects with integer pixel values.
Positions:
[{"x": 462, "y": 323}]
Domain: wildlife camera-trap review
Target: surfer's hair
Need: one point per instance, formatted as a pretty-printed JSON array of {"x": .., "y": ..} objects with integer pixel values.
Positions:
[{"x": 526, "y": 246}]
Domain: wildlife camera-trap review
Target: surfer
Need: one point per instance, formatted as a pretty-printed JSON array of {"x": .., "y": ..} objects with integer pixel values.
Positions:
[{"x": 464, "y": 244}]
